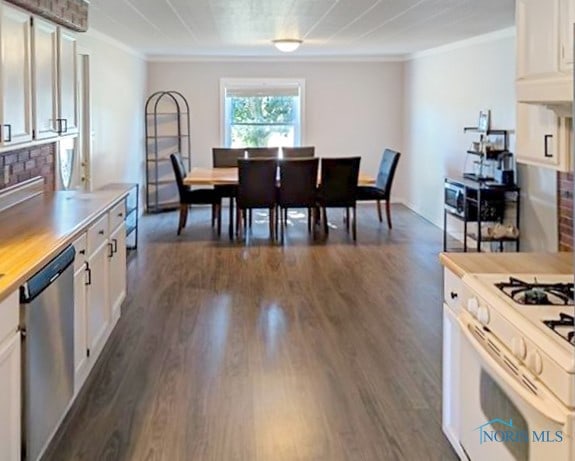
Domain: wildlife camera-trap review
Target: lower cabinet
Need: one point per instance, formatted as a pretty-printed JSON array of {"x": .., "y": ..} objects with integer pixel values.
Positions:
[
  {"x": 81, "y": 364},
  {"x": 117, "y": 271},
  {"x": 10, "y": 380}
]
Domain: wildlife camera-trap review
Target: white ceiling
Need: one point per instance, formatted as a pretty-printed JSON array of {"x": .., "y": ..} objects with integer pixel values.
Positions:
[{"x": 334, "y": 28}]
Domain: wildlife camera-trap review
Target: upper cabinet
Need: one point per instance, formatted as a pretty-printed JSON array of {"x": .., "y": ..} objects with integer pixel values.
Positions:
[
  {"x": 15, "y": 77},
  {"x": 67, "y": 89},
  {"x": 544, "y": 82},
  {"x": 55, "y": 83},
  {"x": 45, "y": 71}
]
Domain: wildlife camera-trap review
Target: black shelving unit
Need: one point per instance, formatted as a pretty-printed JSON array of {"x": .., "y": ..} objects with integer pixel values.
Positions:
[
  {"x": 483, "y": 202},
  {"x": 167, "y": 132}
]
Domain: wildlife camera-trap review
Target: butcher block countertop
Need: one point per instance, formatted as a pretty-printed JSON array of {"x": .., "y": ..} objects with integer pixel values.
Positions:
[
  {"x": 34, "y": 231},
  {"x": 508, "y": 263}
]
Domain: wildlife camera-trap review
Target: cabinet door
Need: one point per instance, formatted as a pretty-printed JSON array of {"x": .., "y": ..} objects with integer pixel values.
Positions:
[
  {"x": 537, "y": 38},
  {"x": 16, "y": 77},
  {"x": 10, "y": 398},
  {"x": 67, "y": 73},
  {"x": 117, "y": 274},
  {"x": 567, "y": 20},
  {"x": 98, "y": 308},
  {"x": 80, "y": 329},
  {"x": 44, "y": 66},
  {"x": 543, "y": 138}
]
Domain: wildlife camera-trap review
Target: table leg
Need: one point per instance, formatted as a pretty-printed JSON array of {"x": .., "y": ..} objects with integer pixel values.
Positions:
[{"x": 231, "y": 224}]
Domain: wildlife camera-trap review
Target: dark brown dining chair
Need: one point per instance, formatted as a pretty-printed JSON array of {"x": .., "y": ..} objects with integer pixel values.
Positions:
[
  {"x": 262, "y": 152},
  {"x": 190, "y": 196},
  {"x": 338, "y": 188},
  {"x": 298, "y": 187},
  {"x": 256, "y": 189},
  {"x": 382, "y": 188},
  {"x": 298, "y": 152},
  {"x": 227, "y": 157}
]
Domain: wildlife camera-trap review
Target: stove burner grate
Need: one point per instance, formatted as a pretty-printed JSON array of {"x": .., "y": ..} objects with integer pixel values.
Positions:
[
  {"x": 537, "y": 294},
  {"x": 564, "y": 327}
]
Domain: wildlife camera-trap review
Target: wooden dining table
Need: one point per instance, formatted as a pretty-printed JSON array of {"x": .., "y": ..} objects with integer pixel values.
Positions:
[{"x": 201, "y": 176}]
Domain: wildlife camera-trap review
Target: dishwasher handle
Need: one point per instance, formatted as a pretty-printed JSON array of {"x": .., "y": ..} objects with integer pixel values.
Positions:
[{"x": 47, "y": 275}]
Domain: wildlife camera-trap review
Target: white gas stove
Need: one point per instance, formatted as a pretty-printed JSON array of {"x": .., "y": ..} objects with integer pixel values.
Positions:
[{"x": 533, "y": 317}]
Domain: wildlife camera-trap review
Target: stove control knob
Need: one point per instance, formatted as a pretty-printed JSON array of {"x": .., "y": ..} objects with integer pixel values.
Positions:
[
  {"x": 473, "y": 306},
  {"x": 483, "y": 315},
  {"x": 536, "y": 363},
  {"x": 519, "y": 348}
]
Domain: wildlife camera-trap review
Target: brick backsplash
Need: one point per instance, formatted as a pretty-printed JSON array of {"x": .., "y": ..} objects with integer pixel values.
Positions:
[
  {"x": 565, "y": 210},
  {"x": 68, "y": 13},
  {"x": 27, "y": 163}
]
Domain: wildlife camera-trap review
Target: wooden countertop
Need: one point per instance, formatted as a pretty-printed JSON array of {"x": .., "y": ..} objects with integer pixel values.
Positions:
[
  {"x": 33, "y": 232},
  {"x": 518, "y": 263}
]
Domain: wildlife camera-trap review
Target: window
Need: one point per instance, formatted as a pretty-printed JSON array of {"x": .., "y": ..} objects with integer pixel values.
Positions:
[{"x": 262, "y": 113}]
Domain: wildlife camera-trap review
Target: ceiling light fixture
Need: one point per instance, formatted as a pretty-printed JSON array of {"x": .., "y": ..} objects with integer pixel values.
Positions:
[{"x": 287, "y": 45}]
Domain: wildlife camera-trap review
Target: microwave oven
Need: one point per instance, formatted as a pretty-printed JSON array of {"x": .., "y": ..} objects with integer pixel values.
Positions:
[{"x": 461, "y": 201}]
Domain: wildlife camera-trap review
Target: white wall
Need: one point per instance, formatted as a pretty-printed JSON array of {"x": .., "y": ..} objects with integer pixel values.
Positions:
[
  {"x": 118, "y": 86},
  {"x": 352, "y": 108},
  {"x": 444, "y": 92}
]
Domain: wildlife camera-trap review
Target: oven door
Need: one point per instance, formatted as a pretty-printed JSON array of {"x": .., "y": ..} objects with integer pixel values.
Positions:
[{"x": 502, "y": 418}]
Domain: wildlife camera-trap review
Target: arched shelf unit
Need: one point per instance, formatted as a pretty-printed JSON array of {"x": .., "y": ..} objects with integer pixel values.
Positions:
[{"x": 167, "y": 132}]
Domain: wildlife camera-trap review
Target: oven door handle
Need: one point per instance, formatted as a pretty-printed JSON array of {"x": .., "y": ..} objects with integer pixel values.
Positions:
[{"x": 551, "y": 412}]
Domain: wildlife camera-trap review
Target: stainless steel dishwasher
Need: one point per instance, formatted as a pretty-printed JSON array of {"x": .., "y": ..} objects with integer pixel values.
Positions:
[{"x": 47, "y": 325}]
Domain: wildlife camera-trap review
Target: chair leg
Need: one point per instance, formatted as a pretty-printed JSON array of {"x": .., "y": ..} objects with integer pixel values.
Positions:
[
  {"x": 183, "y": 217},
  {"x": 285, "y": 216},
  {"x": 324, "y": 219},
  {"x": 388, "y": 213},
  {"x": 272, "y": 219},
  {"x": 379, "y": 211},
  {"x": 354, "y": 224},
  {"x": 309, "y": 219},
  {"x": 238, "y": 222},
  {"x": 219, "y": 218},
  {"x": 347, "y": 218},
  {"x": 250, "y": 215},
  {"x": 213, "y": 214}
]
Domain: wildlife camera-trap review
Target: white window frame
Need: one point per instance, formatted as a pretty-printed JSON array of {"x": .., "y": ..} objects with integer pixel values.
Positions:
[{"x": 226, "y": 83}]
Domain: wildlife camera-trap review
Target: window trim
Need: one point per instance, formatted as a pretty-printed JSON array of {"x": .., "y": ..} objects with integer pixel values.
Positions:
[{"x": 256, "y": 83}]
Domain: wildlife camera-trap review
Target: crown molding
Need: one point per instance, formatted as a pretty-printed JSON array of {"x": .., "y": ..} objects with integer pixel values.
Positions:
[{"x": 274, "y": 59}]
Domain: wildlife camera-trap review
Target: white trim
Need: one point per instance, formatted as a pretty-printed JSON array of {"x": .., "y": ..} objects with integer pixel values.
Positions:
[
  {"x": 485, "y": 38},
  {"x": 96, "y": 34},
  {"x": 226, "y": 81},
  {"x": 290, "y": 59}
]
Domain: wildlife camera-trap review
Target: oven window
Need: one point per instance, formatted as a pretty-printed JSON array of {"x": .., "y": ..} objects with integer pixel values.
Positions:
[{"x": 495, "y": 404}]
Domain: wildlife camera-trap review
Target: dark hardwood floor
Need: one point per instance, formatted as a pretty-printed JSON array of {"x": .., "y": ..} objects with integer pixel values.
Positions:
[{"x": 323, "y": 350}]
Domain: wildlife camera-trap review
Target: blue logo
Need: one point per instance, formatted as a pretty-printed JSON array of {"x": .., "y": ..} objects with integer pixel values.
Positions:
[{"x": 507, "y": 433}]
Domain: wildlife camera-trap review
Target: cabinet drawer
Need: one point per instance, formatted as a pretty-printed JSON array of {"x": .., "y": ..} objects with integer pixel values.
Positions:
[
  {"x": 117, "y": 215},
  {"x": 9, "y": 315},
  {"x": 452, "y": 289},
  {"x": 97, "y": 234},
  {"x": 81, "y": 247}
]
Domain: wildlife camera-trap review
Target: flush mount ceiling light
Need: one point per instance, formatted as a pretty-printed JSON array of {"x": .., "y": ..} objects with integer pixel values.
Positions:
[{"x": 287, "y": 45}]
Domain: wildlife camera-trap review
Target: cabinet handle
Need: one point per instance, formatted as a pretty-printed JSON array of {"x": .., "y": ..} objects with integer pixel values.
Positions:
[
  {"x": 89, "y": 272},
  {"x": 62, "y": 125},
  {"x": 82, "y": 252},
  {"x": 111, "y": 248},
  {"x": 101, "y": 232},
  {"x": 453, "y": 295},
  {"x": 115, "y": 242},
  {"x": 9, "y": 128},
  {"x": 120, "y": 215},
  {"x": 546, "y": 142}
]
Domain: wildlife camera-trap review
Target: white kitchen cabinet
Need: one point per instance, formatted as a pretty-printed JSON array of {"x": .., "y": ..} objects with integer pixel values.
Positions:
[
  {"x": 10, "y": 380},
  {"x": 45, "y": 73},
  {"x": 117, "y": 270},
  {"x": 15, "y": 76},
  {"x": 567, "y": 18},
  {"x": 543, "y": 138},
  {"x": 81, "y": 362},
  {"x": 67, "y": 83},
  {"x": 452, "y": 295},
  {"x": 98, "y": 310}
]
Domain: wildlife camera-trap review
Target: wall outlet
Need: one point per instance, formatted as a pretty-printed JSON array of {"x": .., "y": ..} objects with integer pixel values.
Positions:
[{"x": 6, "y": 174}]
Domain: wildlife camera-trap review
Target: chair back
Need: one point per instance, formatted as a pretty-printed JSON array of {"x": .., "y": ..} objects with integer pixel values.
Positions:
[
  {"x": 338, "y": 186},
  {"x": 257, "y": 183},
  {"x": 263, "y": 152},
  {"x": 298, "y": 152},
  {"x": 387, "y": 167},
  {"x": 298, "y": 182},
  {"x": 226, "y": 157},
  {"x": 180, "y": 173}
]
